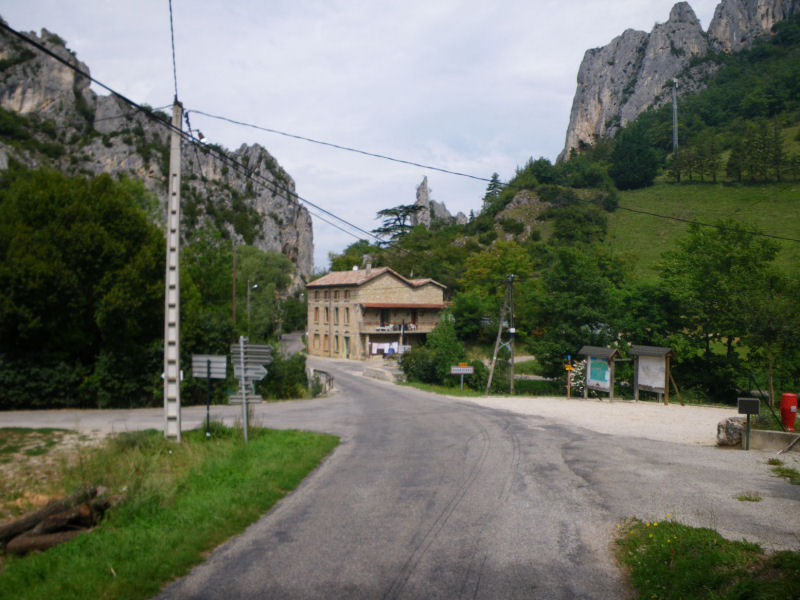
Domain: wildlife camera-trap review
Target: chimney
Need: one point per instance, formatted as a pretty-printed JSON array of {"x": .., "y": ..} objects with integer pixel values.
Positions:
[{"x": 369, "y": 269}]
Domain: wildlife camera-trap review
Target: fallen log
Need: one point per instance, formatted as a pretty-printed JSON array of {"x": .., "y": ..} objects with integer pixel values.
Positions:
[
  {"x": 79, "y": 517},
  {"x": 29, "y": 521},
  {"x": 22, "y": 544}
]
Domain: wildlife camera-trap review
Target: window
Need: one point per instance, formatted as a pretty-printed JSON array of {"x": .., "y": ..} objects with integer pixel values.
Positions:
[
  {"x": 347, "y": 294},
  {"x": 327, "y": 315},
  {"x": 326, "y": 294},
  {"x": 336, "y": 316},
  {"x": 325, "y": 343},
  {"x": 316, "y": 294},
  {"x": 336, "y": 344},
  {"x": 316, "y": 314},
  {"x": 316, "y": 341},
  {"x": 336, "y": 294},
  {"x": 347, "y": 314}
]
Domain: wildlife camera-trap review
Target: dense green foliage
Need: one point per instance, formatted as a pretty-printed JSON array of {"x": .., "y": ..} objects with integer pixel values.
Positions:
[
  {"x": 82, "y": 289},
  {"x": 81, "y": 292}
]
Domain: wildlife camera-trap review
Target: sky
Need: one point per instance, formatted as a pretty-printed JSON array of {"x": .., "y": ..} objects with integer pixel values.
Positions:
[{"x": 468, "y": 86}]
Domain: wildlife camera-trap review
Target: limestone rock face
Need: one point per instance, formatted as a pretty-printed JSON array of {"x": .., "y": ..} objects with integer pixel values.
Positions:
[
  {"x": 432, "y": 210},
  {"x": 737, "y": 23},
  {"x": 83, "y": 133},
  {"x": 636, "y": 70}
]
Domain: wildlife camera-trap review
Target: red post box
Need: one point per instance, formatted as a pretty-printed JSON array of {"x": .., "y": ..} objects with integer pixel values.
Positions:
[{"x": 788, "y": 410}]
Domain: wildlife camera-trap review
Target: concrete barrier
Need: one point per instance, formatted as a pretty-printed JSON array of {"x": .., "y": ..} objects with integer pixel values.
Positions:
[{"x": 761, "y": 439}]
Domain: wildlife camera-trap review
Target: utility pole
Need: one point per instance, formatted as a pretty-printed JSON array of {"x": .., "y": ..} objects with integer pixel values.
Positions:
[
  {"x": 675, "y": 117},
  {"x": 508, "y": 306},
  {"x": 172, "y": 295}
]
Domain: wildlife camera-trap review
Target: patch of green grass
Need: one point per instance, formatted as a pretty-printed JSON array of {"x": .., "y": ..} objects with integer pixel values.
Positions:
[
  {"x": 181, "y": 501},
  {"x": 667, "y": 560},
  {"x": 793, "y": 475},
  {"x": 642, "y": 238},
  {"x": 749, "y": 497}
]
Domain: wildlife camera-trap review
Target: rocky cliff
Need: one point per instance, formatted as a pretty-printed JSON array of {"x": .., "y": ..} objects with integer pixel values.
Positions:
[
  {"x": 636, "y": 69},
  {"x": 432, "y": 210},
  {"x": 55, "y": 119}
]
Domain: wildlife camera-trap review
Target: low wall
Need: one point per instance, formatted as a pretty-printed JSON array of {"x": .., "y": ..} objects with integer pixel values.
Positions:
[{"x": 761, "y": 439}]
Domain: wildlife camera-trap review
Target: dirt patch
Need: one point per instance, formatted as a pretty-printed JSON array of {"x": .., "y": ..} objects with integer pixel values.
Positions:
[{"x": 32, "y": 462}]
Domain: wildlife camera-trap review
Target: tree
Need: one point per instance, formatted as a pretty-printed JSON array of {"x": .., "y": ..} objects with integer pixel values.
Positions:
[
  {"x": 572, "y": 306},
  {"x": 81, "y": 290},
  {"x": 634, "y": 162},
  {"x": 712, "y": 270},
  {"x": 486, "y": 271},
  {"x": 396, "y": 222}
]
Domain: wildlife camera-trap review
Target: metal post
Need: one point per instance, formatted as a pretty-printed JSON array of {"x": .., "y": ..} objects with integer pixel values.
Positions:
[
  {"x": 511, "y": 330},
  {"x": 748, "y": 432},
  {"x": 243, "y": 385},
  {"x": 172, "y": 370},
  {"x": 675, "y": 116},
  {"x": 208, "y": 397}
]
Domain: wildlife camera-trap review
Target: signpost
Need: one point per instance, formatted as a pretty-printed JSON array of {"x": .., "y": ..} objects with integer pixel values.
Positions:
[
  {"x": 209, "y": 366},
  {"x": 462, "y": 369},
  {"x": 248, "y": 366},
  {"x": 748, "y": 406}
]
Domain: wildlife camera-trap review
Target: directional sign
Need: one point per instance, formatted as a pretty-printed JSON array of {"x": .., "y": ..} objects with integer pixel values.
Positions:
[
  {"x": 209, "y": 366},
  {"x": 251, "y": 399},
  {"x": 248, "y": 361},
  {"x": 251, "y": 373}
]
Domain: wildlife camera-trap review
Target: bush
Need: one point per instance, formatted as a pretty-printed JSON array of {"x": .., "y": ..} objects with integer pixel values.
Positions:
[{"x": 286, "y": 378}]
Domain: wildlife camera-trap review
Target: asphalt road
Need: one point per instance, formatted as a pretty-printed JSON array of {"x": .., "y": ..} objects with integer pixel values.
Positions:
[{"x": 431, "y": 497}]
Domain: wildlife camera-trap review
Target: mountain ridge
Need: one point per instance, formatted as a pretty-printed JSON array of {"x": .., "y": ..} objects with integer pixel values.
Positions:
[
  {"x": 63, "y": 124},
  {"x": 635, "y": 71}
]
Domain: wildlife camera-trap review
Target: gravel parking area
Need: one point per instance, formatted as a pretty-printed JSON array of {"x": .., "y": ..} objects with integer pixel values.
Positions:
[{"x": 689, "y": 424}]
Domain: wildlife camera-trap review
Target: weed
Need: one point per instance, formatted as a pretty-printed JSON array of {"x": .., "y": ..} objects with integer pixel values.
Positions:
[
  {"x": 793, "y": 475},
  {"x": 749, "y": 497}
]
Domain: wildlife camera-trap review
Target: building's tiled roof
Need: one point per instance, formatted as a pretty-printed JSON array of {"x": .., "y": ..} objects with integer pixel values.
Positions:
[{"x": 360, "y": 277}]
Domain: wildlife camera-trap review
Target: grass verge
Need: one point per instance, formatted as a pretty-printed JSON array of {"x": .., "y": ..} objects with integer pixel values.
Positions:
[
  {"x": 181, "y": 500},
  {"x": 667, "y": 560}
]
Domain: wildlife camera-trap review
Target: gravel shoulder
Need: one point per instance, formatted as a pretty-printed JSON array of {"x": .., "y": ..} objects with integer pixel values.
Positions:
[{"x": 689, "y": 424}]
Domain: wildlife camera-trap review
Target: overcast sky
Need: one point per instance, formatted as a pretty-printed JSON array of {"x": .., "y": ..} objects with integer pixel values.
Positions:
[{"x": 471, "y": 86}]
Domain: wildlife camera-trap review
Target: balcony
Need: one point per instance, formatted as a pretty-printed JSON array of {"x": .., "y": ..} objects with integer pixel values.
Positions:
[{"x": 370, "y": 327}]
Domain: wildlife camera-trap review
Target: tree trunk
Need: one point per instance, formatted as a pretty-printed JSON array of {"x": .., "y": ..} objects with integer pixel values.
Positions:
[
  {"x": 22, "y": 544},
  {"x": 29, "y": 521}
]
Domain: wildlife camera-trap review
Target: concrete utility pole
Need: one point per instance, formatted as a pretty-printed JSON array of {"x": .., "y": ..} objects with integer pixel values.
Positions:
[{"x": 172, "y": 367}]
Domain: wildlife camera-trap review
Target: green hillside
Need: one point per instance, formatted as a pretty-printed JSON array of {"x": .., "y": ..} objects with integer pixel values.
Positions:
[{"x": 640, "y": 239}]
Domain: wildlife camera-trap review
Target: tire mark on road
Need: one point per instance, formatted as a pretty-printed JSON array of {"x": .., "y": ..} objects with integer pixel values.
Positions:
[
  {"x": 396, "y": 588},
  {"x": 505, "y": 492}
]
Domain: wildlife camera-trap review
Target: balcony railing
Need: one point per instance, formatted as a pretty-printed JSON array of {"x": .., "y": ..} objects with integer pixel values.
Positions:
[{"x": 410, "y": 328}]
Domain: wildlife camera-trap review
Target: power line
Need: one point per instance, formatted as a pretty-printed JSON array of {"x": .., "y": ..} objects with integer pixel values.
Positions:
[
  {"x": 190, "y": 138},
  {"x": 700, "y": 223},
  {"x": 172, "y": 38},
  {"x": 187, "y": 136},
  {"x": 341, "y": 147}
]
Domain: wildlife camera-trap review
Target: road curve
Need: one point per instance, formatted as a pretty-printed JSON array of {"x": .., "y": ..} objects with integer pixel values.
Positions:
[{"x": 431, "y": 497}]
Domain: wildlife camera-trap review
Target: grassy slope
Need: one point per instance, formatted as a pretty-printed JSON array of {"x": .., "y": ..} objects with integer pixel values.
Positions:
[
  {"x": 182, "y": 501},
  {"x": 773, "y": 209}
]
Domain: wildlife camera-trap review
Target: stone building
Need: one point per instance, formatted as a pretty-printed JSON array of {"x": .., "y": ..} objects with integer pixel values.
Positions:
[{"x": 369, "y": 312}]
